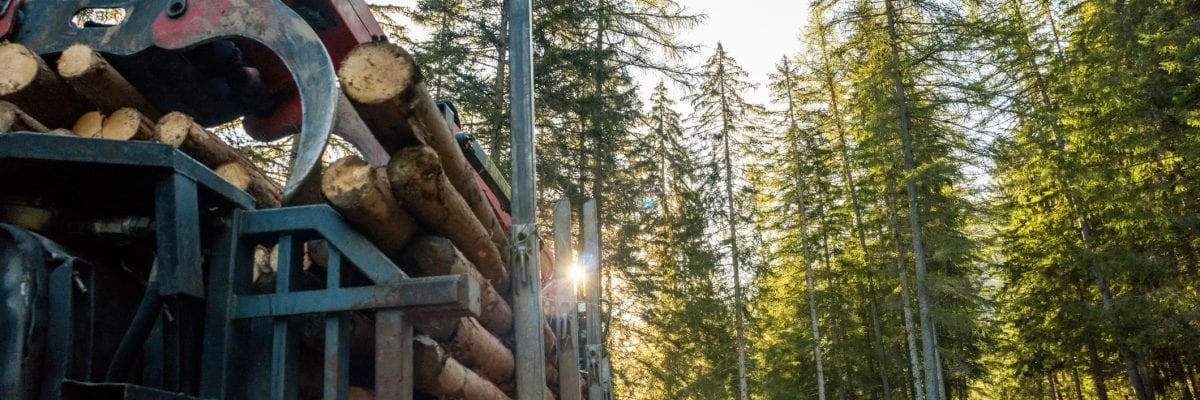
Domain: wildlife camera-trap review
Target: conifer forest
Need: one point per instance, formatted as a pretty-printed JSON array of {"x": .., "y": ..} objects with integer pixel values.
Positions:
[{"x": 938, "y": 200}]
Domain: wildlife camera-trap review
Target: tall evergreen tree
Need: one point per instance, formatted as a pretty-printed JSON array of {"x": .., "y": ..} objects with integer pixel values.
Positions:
[{"x": 725, "y": 116}]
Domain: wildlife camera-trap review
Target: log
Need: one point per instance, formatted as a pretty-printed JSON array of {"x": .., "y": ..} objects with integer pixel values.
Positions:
[
  {"x": 439, "y": 374},
  {"x": 362, "y": 195},
  {"x": 370, "y": 77},
  {"x": 126, "y": 124},
  {"x": 384, "y": 83},
  {"x": 12, "y": 119},
  {"x": 181, "y": 131},
  {"x": 433, "y": 256},
  {"x": 418, "y": 182},
  {"x": 266, "y": 192},
  {"x": 97, "y": 80},
  {"x": 89, "y": 124},
  {"x": 472, "y": 345},
  {"x": 26, "y": 80}
]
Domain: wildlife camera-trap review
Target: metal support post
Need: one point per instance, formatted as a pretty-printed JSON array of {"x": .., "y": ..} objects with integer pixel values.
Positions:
[
  {"x": 591, "y": 261},
  {"x": 526, "y": 285},
  {"x": 568, "y": 335}
]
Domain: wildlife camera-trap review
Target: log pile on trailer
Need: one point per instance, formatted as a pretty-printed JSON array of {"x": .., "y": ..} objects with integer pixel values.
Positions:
[{"x": 425, "y": 209}]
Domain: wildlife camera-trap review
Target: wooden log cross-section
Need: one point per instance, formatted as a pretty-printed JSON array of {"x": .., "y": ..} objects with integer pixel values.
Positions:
[
  {"x": 418, "y": 182},
  {"x": 89, "y": 124},
  {"x": 364, "y": 197},
  {"x": 93, "y": 77},
  {"x": 26, "y": 80},
  {"x": 127, "y": 124},
  {"x": 384, "y": 83}
]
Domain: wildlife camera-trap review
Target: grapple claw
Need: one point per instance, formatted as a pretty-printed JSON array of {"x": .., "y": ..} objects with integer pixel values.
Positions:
[{"x": 179, "y": 25}]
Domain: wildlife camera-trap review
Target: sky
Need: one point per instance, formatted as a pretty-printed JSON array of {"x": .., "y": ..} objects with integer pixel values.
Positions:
[{"x": 755, "y": 32}]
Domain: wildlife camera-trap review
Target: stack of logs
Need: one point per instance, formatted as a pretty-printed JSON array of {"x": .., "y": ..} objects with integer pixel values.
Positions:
[
  {"x": 424, "y": 209},
  {"x": 85, "y": 96}
]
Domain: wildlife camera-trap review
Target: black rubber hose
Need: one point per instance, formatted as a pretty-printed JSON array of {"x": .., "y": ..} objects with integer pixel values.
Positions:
[{"x": 139, "y": 329}]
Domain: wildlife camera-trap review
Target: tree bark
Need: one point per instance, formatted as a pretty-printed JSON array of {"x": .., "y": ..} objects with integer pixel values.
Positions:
[
  {"x": 362, "y": 195},
  {"x": 86, "y": 71},
  {"x": 265, "y": 192},
  {"x": 806, "y": 259},
  {"x": 417, "y": 181},
  {"x": 26, "y": 80},
  {"x": 439, "y": 374},
  {"x": 12, "y": 119},
  {"x": 179, "y": 130},
  {"x": 1097, "y": 369},
  {"x": 385, "y": 84},
  {"x": 433, "y": 256},
  {"x": 469, "y": 343},
  {"x": 905, "y": 299}
]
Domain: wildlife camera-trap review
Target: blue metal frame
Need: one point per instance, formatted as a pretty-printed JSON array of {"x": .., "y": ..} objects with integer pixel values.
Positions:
[
  {"x": 240, "y": 324},
  {"x": 391, "y": 294}
]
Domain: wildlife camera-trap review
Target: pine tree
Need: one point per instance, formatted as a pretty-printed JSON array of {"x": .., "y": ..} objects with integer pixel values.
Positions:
[{"x": 729, "y": 120}]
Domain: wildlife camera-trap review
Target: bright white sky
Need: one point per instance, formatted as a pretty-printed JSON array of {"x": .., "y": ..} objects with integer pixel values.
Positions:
[{"x": 757, "y": 33}]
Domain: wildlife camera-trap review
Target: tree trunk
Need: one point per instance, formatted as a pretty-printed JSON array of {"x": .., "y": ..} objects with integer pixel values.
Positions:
[
  {"x": 417, "y": 181},
  {"x": 12, "y": 119},
  {"x": 1079, "y": 209},
  {"x": 472, "y": 345},
  {"x": 433, "y": 256},
  {"x": 1075, "y": 383},
  {"x": 1097, "y": 369},
  {"x": 363, "y": 196},
  {"x": 859, "y": 230},
  {"x": 26, "y": 80},
  {"x": 251, "y": 180},
  {"x": 905, "y": 299},
  {"x": 1054, "y": 395},
  {"x": 384, "y": 82},
  {"x": 439, "y": 374},
  {"x": 743, "y": 389},
  {"x": 801, "y": 203},
  {"x": 914, "y": 212},
  {"x": 100, "y": 83}
]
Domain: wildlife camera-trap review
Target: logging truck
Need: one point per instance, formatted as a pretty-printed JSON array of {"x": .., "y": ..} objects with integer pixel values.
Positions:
[{"x": 141, "y": 256}]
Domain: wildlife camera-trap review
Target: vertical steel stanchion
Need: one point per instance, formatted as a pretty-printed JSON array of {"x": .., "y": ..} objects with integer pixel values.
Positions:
[
  {"x": 526, "y": 285},
  {"x": 568, "y": 343}
]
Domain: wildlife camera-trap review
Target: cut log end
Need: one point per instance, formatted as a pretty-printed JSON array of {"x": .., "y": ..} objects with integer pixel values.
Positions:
[
  {"x": 125, "y": 124},
  {"x": 89, "y": 124},
  {"x": 346, "y": 182},
  {"x": 26, "y": 80},
  {"x": 173, "y": 128},
  {"x": 377, "y": 72},
  {"x": 78, "y": 60},
  {"x": 19, "y": 69},
  {"x": 93, "y": 77}
]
